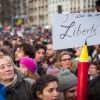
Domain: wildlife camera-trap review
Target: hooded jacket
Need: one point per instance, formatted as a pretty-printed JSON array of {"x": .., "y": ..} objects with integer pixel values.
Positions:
[{"x": 2, "y": 92}]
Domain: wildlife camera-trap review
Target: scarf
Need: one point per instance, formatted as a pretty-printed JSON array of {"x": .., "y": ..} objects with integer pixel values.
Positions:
[{"x": 12, "y": 83}]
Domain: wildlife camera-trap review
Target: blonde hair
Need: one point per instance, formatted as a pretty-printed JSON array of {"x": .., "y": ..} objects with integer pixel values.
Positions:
[
  {"x": 32, "y": 75},
  {"x": 73, "y": 62},
  {"x": 10, "y": 60}
]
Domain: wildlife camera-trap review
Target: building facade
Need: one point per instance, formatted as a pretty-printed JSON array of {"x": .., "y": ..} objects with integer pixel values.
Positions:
[
  {"x": 12, "y": 9},
  {"x": 57, "y": 6},
  {"x": 38, "y": 12},
  {"x": 19, "y": 8},
  {"x": 5, "y": 12},
  {"x": 69, "y": 6},
  {"x": 82, "y": 6}
]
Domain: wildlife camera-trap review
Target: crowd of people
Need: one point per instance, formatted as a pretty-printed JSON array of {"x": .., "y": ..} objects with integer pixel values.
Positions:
[{"x": 31, "y": 70}]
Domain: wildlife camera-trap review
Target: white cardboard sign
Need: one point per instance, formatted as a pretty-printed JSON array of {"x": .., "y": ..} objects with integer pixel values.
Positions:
[{"x": 72, "y": 30}]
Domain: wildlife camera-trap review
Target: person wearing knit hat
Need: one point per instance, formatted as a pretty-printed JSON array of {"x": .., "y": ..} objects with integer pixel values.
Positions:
[
  {"x": 67, "y": 84},
  {"x": 29, "y": 66}
]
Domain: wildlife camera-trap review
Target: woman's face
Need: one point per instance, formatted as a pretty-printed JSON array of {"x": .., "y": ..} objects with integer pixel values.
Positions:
[
  {"x": 6, "y": 71},
  {"x": 24, "y": 69},
  {"x": 65, "y": 61},
  {"x": 50, "y": 92},
  {"x": 93, "y": 70},
  {"x": 78, "y": 51}
]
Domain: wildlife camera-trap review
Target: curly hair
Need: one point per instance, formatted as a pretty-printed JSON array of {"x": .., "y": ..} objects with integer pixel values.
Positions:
[
  {"x": 40, "y": 46},
  {"x": 28, "y": 49},
  {"x": 41, "y": 83},
  {"x": 73, "y": 67}
]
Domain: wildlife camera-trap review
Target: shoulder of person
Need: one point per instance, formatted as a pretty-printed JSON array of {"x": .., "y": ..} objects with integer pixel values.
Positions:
[
  {"x": 28, "y": 83},
  {"x": 31, "y": 81}
]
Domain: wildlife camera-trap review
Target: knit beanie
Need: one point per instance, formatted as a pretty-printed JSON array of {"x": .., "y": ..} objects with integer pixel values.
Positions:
[
  {"x": 29, "y": 63},
  {"x": 66, "y": 79}
]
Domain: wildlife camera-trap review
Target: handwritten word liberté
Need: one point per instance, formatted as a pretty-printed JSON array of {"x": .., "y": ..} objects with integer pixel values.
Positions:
[{"x": 78, "y": 32}]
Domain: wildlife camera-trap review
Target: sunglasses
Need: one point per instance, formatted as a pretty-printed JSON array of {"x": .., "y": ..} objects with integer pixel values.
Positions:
[{"x": 66, "y": 59}]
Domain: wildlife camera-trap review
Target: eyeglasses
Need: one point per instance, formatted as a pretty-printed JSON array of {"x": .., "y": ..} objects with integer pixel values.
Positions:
[
  {"x": 93, "y": 67},
  {"x": 66, "y": 59}
]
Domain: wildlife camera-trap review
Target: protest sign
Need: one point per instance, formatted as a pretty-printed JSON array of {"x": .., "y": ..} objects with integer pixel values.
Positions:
[{"x": 72, "y": 30}]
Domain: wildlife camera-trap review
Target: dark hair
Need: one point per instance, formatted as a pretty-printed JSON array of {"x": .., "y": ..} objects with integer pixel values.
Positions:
[
  {"x": 6, "y": 43},
  {"x": 40, "y": 46},
  {"x": 19, "y": 38},
  {"x": 97, "y": 64},
  {"x": 97, "y": 3},
  {"x": 36, "y": 41},
  {"x": 28, "y": 49},
  {"x": 94, "y": 89},
  {"x": 41, "y": 83}
]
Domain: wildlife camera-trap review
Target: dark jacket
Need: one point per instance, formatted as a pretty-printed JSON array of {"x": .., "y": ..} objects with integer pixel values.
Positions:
[
  {"x": 2, "y": 92},
  {"x": 40, "y": 70},
  {"x": 19, "y": 91}
]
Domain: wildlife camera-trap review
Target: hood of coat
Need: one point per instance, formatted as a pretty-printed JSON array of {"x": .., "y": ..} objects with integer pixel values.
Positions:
[{"x": 20, "y": 76}]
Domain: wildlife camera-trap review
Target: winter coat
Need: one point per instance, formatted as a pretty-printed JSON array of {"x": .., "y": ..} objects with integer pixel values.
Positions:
[
  {"x": 40, "y": 70},
  {"x": 21, "y": 90},
  {"x": 2, "y": 92},
  {"x": 31, "y": 81}
]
